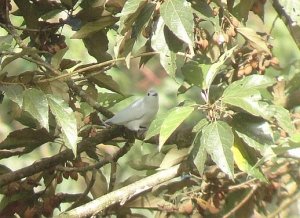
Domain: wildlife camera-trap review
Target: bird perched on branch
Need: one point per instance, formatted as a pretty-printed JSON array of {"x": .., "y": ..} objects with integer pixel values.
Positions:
[{"x": 139, "y": 114}]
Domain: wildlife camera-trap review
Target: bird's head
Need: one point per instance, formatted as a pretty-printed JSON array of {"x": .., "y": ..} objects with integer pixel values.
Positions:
[
  {"x": 152, "y": 92},
  {"x": 152, "y": 96}
]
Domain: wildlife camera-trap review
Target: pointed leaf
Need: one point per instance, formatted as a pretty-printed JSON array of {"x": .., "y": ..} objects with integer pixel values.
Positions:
[
  {"x": 35, "y": 103},
  {"x": 177, "y": 15},
  {"x": 245, "y": 161},
  {"x": 158, "y": 43},
  {"x": 25, "y": 138},
  {"x": 173, "y": 157},
  {"x": 192, "y": 72},
  {"x": 155, "y": 126},
  {"x": 283, "y": 118},
  {"x": 217, "y": 138},
  {"x": 94, "y": 26},
  {"x": 172, "y": 121},
  {"x": 257, "y": 81},
  {"x": 199, "y": 155},
  {"x": 214, "y": 69},
  {"x": 14, "y": 93},
  {"x": 129, "y": 13},
  {"x": 249, "y": 99},
  {"x": 66, "y": 120},
  {"x": 105, "y": 81}
]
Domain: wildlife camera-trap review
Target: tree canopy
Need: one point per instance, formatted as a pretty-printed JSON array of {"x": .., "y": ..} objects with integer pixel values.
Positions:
[{"x": 222, "y": 144}]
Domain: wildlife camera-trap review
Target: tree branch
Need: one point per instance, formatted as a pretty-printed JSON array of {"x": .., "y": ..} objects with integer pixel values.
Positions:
[
  {"x": 124, "y": 194},
  {"x": 63, "y": 156}
]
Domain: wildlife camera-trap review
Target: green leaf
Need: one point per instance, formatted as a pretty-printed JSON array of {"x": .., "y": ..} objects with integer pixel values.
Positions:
[
  {"x": 177, "y": 15},
  {"x": 155, "y": 126},
  {"x": 199, "y": 154},
  {"x": 105, "y": 81},
  {"x": 14, "y": 93},
  {"x": 129, "y": 14},
  {"x": 147, "y": 162},
  {"x": 217, "y": 138},
  {"x": 215, "y": 68},
  {"x": 106, "y": 99},
  {"x": 173, "y": 157},
  {"x": 198, "y": 127},
  {"x": 172, "y": 121},
  {"x": 142, "y": 19},
  {"x": 158, "y": 43},
  {"x": 283, "y": 118},
  {"x": 257, "y": 81},
  {"x": 241, "y": 94},
  {"x": 25, "y": 138},
  {"x": 245, "y": 161},
  {"x": 56, "y": 59},
  {"x": 92, "y": 27},
  {"x": 192, "y": 72},
  {"x": 6, "y": 42},
  {"x": 65, "y": 118},
  {"x": 35, "y": 103}
]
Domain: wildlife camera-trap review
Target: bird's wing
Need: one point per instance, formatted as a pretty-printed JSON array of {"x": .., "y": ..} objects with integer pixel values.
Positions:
[{"x": 134, "y": 111}]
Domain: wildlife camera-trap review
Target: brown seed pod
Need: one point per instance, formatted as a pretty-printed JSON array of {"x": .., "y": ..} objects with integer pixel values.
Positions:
[
  {"x": 186, "y": 207},
  {"x": 74, "y": 175},
  {"x": 254, "y": 64},
  {"x": 248, "y": 69}
]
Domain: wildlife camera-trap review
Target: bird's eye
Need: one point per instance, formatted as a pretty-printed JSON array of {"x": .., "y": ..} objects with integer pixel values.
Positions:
[{"x": 148, "y": 94}]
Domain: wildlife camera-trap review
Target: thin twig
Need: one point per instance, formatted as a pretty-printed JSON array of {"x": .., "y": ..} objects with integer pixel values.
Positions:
[
  {"x": 112, "y": 179},
  {"x": 86, "y": 191},
  {"x": 99, "y": 164},
  {"x": 244, "y": 201},
  {"x": 89, "y": 100}
]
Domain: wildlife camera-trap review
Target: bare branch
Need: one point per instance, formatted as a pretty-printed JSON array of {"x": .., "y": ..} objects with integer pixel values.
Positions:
[{"x": 124, "y": 194}]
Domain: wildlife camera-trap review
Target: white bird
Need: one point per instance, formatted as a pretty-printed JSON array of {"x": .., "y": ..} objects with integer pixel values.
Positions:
[{"x": 139, "y": 114}]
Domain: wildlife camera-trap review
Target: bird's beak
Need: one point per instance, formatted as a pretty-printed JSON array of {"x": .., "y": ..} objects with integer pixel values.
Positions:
[{"x": 155, "y": 94}]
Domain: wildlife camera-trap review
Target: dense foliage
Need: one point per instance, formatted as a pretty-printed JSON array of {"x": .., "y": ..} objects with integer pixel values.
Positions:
[{"x": 224, "y": 150}]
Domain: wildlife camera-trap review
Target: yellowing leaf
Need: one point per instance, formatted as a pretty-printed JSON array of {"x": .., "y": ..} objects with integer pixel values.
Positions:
[{"x": 244, "y": 161}]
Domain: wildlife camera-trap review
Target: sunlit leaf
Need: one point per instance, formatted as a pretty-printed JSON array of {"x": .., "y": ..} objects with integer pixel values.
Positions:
[
  {"x": 155, "y": 126},
  {"x": 283, "y": 118},
  {"x": 214, "y": 69},
  {"x": 177, "y": 15},
  {"x": 217, "y": 138},
  {"x": 92, "y": 27},
  {"x": 192, "y": 72},
  {"x": 173, "y": 157},
  {"x": 129, "y": 14},
  {"x": 14, "y": 93},
  {"x": 172, "y": 121},
  {"x": 241, "y": 94},
  {"x": 56, "y": 59},
  {"x": 36, "y": 104},
  {"x": 105, "y": 81},
  {"x": 158, "y": 43},
  {"x": 245, "y": 161},
  {"x": 147, "y": 162},
  {"x": 66, "y": 120}
]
